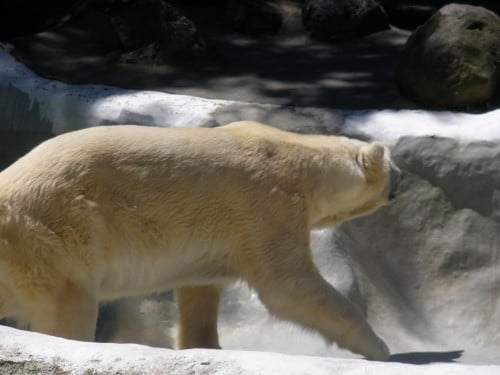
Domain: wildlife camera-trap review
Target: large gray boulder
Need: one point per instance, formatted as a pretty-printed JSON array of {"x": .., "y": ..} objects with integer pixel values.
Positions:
[
  {"x": 429, "y": 264},
  {"x": 332, "y": 20},
  {"x": 453, "y": 60}
]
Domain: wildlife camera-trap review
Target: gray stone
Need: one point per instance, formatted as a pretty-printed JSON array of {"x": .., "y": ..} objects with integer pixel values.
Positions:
[
  {"x": 431, "y": 260},
  {"x": 468, "y": 174},
  {"x": 453, "y": 60}
]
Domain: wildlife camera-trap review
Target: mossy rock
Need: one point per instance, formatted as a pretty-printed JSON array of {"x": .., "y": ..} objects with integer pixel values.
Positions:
[{"x": 452, "y": 60}]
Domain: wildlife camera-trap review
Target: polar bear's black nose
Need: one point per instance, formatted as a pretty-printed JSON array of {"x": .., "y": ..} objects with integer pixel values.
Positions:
[{"x": 395, "y": 179}]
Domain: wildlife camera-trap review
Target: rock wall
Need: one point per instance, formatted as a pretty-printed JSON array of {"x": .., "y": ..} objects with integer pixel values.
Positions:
[{"x": 429, "y": 264}]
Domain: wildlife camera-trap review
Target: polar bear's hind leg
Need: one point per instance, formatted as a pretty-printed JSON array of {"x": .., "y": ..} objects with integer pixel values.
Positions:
[
  {"x": 198, "y": 309},
  {"x": 7, "y": 308}
]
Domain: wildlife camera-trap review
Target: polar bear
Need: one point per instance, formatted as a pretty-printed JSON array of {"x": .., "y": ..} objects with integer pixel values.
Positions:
[{"x": 110, "y": 212}]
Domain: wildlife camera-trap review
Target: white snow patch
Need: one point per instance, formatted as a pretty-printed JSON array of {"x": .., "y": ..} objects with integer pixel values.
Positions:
[
  {"x": 70, "y": 107},
  {"x": 391, "y": 125}
]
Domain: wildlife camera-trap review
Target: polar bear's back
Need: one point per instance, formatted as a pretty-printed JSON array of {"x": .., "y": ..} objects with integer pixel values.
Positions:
[
  {"x": 72, "y": 158},
  {"x": 74, "y": 154},
  {"x": 137, "y": 191},
  {"x": 147, "y": 167},
  {"x": 142, "y": 142}
]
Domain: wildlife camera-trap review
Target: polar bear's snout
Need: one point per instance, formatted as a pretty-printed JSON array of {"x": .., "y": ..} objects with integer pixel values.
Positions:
[{"x": 395, "y": 179}]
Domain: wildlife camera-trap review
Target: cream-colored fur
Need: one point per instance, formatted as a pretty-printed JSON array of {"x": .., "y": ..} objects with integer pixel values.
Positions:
[{"x": 109, "y": 212}]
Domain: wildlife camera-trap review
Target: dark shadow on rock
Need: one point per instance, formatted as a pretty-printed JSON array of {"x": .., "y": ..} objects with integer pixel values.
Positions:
[
  {"x": 277, "y": 70},
  {"x": 425, "y": 358}
]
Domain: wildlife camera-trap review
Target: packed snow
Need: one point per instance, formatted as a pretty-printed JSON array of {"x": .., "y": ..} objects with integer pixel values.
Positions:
[{"x": 46, "y": 354}]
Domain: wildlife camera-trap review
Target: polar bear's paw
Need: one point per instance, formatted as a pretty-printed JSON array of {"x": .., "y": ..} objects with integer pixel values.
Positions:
[
  {"x": 367, "y": 343},
  {"x": 378, "y": 350}
]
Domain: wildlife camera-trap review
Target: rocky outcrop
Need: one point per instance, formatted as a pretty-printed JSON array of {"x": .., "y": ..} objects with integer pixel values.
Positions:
[
  {"x": 453, "y": 60},
  {"x": 152, "y": 31},
  {"x": 431, "y": 260},
  {"x": 331, "y": 20}
]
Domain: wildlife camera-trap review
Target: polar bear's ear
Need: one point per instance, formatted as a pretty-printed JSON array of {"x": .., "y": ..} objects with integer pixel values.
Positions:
[{"x": 371, "y": 157}]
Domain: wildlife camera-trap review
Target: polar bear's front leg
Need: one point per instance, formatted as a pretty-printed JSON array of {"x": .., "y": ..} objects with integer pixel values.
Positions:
[
  {"x": 291, "y": 287},
  {"x": 68, "y": 312},
  {"x": 198, "y": 308}
]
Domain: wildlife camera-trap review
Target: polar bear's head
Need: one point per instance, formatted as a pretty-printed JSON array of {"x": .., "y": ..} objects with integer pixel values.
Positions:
[{"x": 361, "y": 178}]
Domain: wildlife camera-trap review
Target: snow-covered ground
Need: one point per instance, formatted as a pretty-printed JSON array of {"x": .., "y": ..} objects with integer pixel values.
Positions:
[
  {"x": 391, "y": 125},
  {"x": 26, "y": 351},
  {"x": 31, "y": 103},
  {"x": 63, "y": 107}
]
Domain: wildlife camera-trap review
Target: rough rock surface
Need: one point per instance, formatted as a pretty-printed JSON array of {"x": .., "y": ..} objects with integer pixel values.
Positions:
[
  {"x": 431, "y": 258},
  {"x": 332, "y": 20},
  {"x": 166, "y": 37},
  {"x": 453, "y": 60}
]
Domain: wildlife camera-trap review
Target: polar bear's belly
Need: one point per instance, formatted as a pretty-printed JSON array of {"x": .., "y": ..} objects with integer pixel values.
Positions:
[{"x": 137, "y": 273}]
